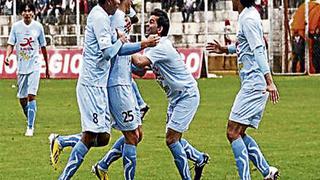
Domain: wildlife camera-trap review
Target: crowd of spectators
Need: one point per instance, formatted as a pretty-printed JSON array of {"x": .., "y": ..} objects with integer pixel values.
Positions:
[{"x": 50, "y": 11}]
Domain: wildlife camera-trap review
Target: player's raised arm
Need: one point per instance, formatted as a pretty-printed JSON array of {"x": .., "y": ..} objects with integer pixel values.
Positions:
[
  {"x": 131, "y": 48},
  {"x": 113, "y": 50}
]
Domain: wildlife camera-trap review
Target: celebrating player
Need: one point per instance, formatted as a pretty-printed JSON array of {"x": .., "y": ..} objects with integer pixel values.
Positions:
[
  {"x": 256, "y": 86},
  {"x": 182, "y": 92},
  {"x": 123, "y": 106},
  {"x": 92, "y": 94}
]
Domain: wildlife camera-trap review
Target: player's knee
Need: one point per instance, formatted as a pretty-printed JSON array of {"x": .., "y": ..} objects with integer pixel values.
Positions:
[
  {"x": 232, "y": 135},
  {"x": 132, "y": 137},
  {"x": 31, "y": 97},
  {"x": 170, "y": 140}
]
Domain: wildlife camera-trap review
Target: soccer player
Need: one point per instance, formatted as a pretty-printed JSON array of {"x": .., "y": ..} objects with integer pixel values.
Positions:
[
  {"x": 28, "y": 36},
  {"x": 182, "y": 92},
  {"x": 123, "y": 106},
  {"x": 101, "y": 45},
  {"x": 256, "y": 86},
  {"x": 92, "y": 95}
]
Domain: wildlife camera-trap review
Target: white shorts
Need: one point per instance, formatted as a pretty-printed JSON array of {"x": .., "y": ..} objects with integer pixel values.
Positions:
[
  {"x": 28, "y": 84},
  {"x": 94, "y": 108},
  {"x": 181, "y": 113},
  {"x": 248, "y": 107},
  {"x": 124, "y": 108}
]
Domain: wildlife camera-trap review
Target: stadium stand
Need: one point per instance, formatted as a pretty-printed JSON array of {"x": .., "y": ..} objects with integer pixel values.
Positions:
[{"x": 62, "y": 33}]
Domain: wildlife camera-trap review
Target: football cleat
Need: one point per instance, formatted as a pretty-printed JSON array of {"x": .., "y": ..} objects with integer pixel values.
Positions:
[
  {"x": 273, "y": 174},
  {"x": 55, "y": 150},
  {"x": 29, "y": 132},
  {"x": 102, "y": 175},
  {"x": 198, "y": 168},
  {"x": 143, "y": 111}
]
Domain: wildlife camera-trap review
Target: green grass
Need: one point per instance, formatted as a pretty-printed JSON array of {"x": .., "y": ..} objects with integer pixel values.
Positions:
[{"x": 288, "y": 134}]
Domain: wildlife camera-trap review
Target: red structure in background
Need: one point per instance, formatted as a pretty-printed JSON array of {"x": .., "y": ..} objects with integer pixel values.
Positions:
[{"x": 298, "y": 24}]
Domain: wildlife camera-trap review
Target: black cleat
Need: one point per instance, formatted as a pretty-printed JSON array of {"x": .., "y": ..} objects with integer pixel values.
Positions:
[
  {"x": 143, "y": 111},
  {"x": 198, "y": 168}
]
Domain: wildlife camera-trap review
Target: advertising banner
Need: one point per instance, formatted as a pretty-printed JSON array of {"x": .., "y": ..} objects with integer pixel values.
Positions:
[{"x": 66, "y": 63}]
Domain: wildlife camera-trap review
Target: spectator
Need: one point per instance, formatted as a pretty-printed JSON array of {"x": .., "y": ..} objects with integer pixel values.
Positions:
[
  {"x": 179, "y": 4},
  {"x": 7, "y": 9},
  {"x": 227, "y": 31},
  {"x": 84, "y": 9},
  {"x": 200, "y": 5},
  {"x": 168, "y": 4},
  {"x": 212, "y": 5},
  {"x": 316, "y": 50},
  {"x": 41, "y": 9},
  {"x": 258, "y": 6},
  {"x": 68, "y": 6},
  {"x": 298, "y": 52},
  {"x": 264, "y": 9},
  {"x": 54, "y": 12},
  {"x": 187, "y": 9}
]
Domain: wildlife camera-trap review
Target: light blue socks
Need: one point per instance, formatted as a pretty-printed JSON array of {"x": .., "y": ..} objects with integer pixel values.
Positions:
[
  {"x": 113, "y": 154},
  {"x": 180, "y": 159},
  {"x": 240, "y": 153},
  {"x": 76, "y": 158},
  {"x": 32, "y": 110},
  {"x": 255, "y": 155},
  {"x": 129, "y": 161},
  {"x": 71, "y": 140},
  {"x": 192, "y": 153}
]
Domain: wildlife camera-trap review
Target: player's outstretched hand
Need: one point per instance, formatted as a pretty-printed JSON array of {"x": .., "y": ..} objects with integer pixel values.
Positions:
[
  {"x": 215, "y": 47},
  {"x": 122, "y": 36},
  {"x": 151, "y": 41},
  {"x": 6, "y": 61},
  {"x": 273, "y": 93}
]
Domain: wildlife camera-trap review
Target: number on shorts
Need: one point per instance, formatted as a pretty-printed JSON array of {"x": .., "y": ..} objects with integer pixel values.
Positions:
[
  {"x": 95, "y": 118},
  {"x": 128, "y": 116}
]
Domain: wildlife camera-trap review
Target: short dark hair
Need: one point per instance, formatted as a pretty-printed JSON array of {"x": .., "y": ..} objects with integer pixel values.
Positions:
[
  {"x": 247, "y": 3},
  {"x": 28, "y": 4},
  {"x": 163, "y": 20},
  {"x": 102, "y": 1}
]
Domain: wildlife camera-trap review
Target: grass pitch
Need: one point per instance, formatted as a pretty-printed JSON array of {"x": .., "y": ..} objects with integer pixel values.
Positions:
[{"x": 288, "y": 134}]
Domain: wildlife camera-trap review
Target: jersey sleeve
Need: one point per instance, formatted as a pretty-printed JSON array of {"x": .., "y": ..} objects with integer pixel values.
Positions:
[
  {"x": 12, "y": 37},
  {"x": 155, "y": 54},
  {"x": 103, "y": 32},
  {"x": 42, "y": 38},
  {"x": 252, "y": 30}
]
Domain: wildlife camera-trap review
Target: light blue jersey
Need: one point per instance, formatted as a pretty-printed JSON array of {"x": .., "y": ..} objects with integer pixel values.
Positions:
[
  {"x": 251, "y": 100},
  {"x": 27, "y": 39},
  {"x": 170, "y": 69},
  {"x": 250, "y": 36},
  {"x": 98, "y": 36},
  {"x": 120, "y": 72}
]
